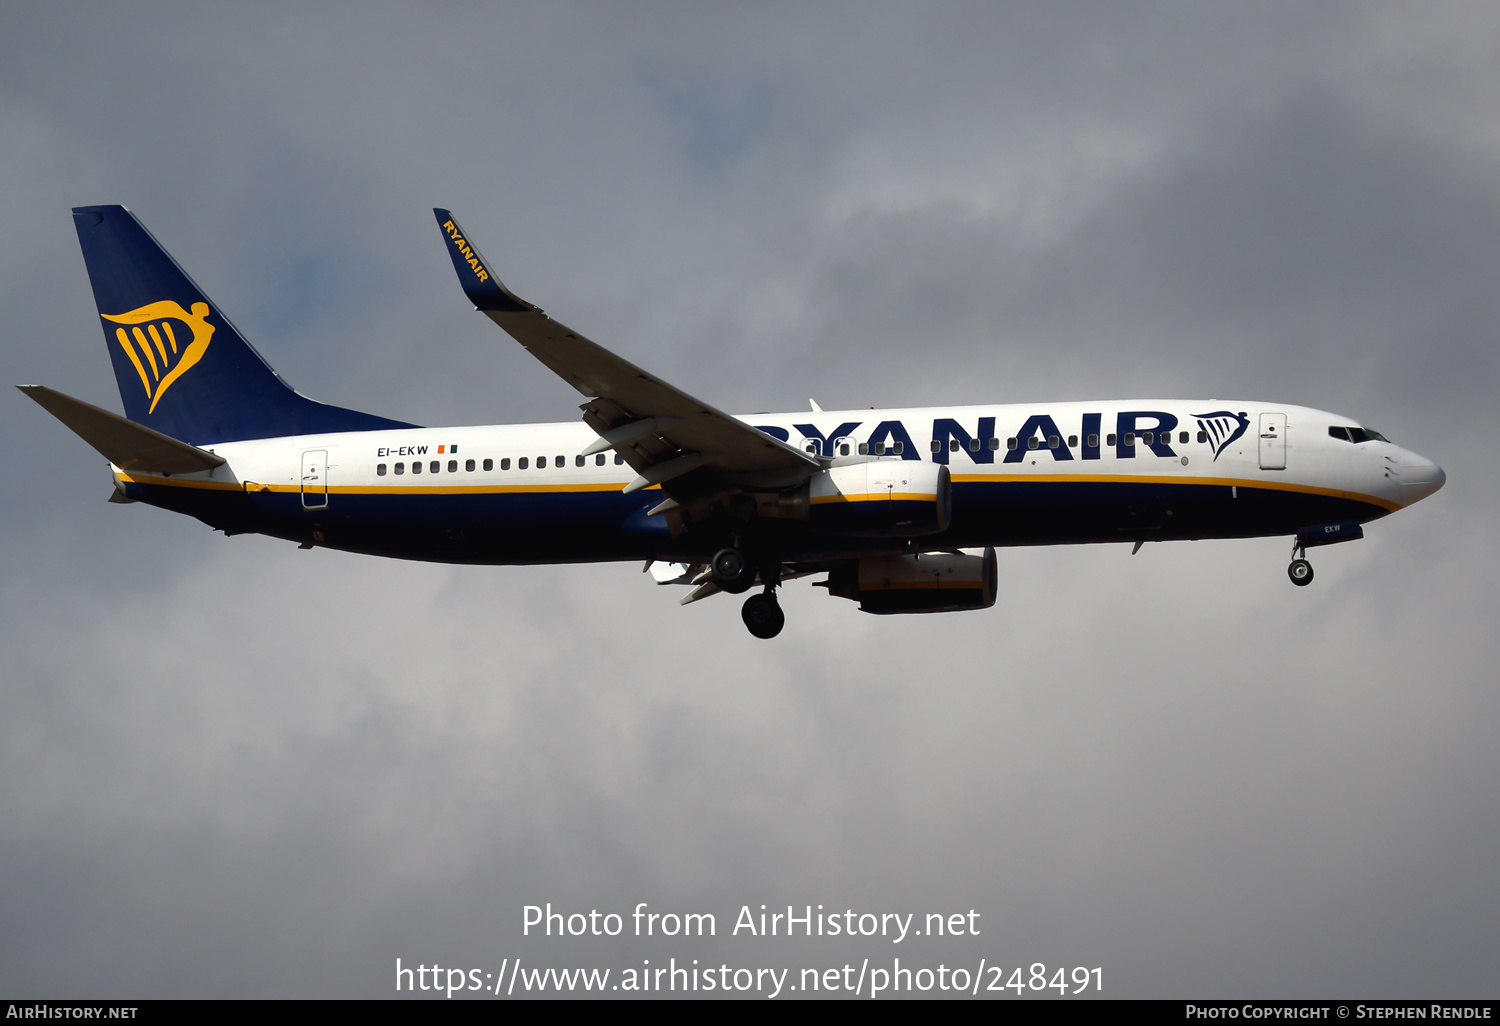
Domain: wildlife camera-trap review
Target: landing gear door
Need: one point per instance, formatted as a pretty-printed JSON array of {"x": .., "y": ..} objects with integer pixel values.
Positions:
[
  {"x": 1273, "y": 441},
  {"x": 315, "y": 479}
]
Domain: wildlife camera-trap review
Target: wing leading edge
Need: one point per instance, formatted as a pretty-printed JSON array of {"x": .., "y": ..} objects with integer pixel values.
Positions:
[{"x": 692, "y": 450}]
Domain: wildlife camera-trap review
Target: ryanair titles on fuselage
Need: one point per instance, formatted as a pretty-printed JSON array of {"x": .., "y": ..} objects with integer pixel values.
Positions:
[
  {"x": 1131, "y": 431},
  {"x": 1152, "y": 428}
]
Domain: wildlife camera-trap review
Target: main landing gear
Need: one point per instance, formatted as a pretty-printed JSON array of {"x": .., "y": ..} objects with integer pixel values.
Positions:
[
  {"x": 735, "y": 574},
  {"x": 732, "y": 571},
  {"x": 1300, "y": 570},
  {"x": 762, "y": 615}
]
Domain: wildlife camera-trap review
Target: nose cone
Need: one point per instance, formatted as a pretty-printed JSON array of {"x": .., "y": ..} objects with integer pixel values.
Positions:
[{"x": 1419, "y": 478}]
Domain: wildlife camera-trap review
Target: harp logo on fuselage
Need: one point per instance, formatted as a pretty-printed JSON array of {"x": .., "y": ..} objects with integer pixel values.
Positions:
[
  {"x": 1222, "y": 428},
  {"x": 155, "y": 350}
]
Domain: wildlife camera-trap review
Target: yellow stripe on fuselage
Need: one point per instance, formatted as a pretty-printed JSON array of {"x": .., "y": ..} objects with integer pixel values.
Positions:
[
  {"x": 295, "y": 489},
  {"x": 615, "y": 486},
  {"x": 465, "y": 489},
  {"x": 818, "y": 500},
  {"x": 1273, "y": 486}
]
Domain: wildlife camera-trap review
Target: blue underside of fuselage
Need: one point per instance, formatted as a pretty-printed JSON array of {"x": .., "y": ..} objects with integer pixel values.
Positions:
[{"x": 578, "y": 527}]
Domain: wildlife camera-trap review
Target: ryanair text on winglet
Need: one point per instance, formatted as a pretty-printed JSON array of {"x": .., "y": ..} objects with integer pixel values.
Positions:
[{"x": 466, "y": 250}]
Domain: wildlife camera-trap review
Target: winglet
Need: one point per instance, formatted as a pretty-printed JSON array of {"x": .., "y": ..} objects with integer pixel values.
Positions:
[{"x": 479, "y": 283}]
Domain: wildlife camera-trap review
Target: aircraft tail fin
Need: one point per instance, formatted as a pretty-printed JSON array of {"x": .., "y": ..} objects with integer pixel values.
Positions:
[{"x": 183, "y": 369}]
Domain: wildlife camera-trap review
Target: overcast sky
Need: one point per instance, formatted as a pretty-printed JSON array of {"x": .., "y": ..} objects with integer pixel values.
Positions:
[{"x": 233, "y": 768}]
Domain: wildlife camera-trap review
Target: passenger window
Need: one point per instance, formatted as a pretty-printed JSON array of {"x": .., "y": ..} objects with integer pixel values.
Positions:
[
  {"x": 879, "y": 448},
  {"x": 400, "y": 469},
  {"x": 1053, "y": 441},
  {"x": 1072, "y": 441},
  {"x": 1110, "y": 440},
  {"x": 810, "y": 447},
  {"x": 490, "y": 464},
  {"x": 1182, "y": 437},
  {"x": 599, "y": 460},
  {"x": 380, "y": 470},
  {"x": 973, "y": 445},
  {"x": 897, "y": 447},
  {"x": 1032, "y": 443},
  {"x": 416, "y": 468},
  {"x": 1202, "y": 437},
  {"x": 864, "y": 448},
  {"x": 1094, "y": 441},
  {"x": 434, "y": 466},
  {"x": 1011, "y": 443},
  {"x": 844, "y": 449},
  {"x": 522, "y": 463},
  {"x": 619, "y": 459},
  {"x": 937, "y": 446},
  {"x": 561, "y": 461},
  {"x": 994, "y": 444},
  {"x": 1129, "y": 438},
  {"x": 953, "y": 445},
  {"x": 541, "y": 463},
  {"x": 578, "y": 461},
  {"x": 469, "y": 466},
  {"x": 1148, "y": 437},
  {"x": 453, "y": 466}
]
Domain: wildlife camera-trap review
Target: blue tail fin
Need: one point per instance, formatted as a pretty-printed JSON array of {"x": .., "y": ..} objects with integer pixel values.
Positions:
[{"x": 182, "y": 368}]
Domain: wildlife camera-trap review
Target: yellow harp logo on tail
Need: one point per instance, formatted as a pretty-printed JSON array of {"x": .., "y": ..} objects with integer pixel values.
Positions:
[{"x": 151, "y": 343}]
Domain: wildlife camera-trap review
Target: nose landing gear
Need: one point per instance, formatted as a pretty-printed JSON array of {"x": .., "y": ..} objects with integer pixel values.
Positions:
[{"x": 1300, "y": 570}]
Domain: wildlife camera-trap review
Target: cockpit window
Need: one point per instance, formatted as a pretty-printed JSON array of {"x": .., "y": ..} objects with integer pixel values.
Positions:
[{"x": 1355, "y": 434}]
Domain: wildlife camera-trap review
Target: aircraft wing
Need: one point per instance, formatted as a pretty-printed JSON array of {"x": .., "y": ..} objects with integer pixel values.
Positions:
[{"x": 663, "y": 433}]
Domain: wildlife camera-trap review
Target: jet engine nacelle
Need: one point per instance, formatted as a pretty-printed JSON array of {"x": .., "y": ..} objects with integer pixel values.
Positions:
[
  {"x": 927, "y": 582},
  {"x": 881, "y": 499}
]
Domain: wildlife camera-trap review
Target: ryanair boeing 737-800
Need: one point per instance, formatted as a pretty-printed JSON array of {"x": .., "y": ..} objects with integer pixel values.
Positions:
[{"x": 902, "y": 509}]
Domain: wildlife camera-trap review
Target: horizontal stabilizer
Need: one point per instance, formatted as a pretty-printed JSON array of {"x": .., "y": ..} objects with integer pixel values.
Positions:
[{"x": 126, "y": 444}]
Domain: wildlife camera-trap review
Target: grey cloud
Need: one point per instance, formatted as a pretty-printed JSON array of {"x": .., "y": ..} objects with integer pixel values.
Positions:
[{"x": 233, "y": 768}]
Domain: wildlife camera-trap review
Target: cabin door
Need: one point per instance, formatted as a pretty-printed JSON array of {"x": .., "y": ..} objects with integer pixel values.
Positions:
[
  {"x": 1273, "y": 441},
  {"x": 315, "y": 479}
]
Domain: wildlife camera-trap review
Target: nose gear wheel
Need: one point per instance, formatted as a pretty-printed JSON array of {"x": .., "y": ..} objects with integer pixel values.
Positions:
[{"x": 1300, "y": 571}]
